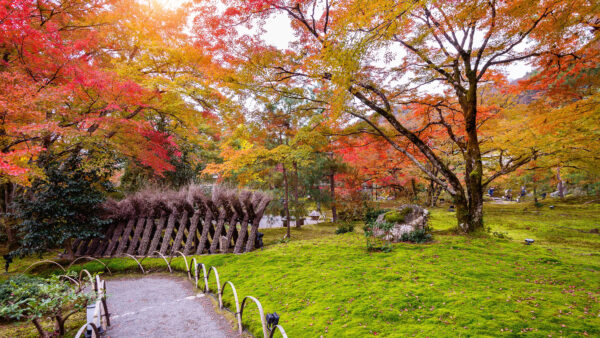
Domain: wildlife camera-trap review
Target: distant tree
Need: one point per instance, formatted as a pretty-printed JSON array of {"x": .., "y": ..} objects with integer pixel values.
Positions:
[{"x": 63, "y": 207}]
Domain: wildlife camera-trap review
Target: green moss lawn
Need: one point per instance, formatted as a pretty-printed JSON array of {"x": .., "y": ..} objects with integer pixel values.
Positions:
[{"x": 322, "y": 284}]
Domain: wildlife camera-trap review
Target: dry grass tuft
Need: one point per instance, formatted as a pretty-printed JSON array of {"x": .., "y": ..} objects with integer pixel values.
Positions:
[{"x": 155, "y": 201}]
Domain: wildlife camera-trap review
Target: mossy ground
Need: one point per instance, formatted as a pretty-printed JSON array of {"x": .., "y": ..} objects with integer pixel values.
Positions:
[
  {"x": 26, "y": 329},
  {"x": 322, "y": 284}
]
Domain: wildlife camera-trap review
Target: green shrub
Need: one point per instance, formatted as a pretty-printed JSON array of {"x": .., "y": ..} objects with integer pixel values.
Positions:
[
  {"x": 34, "y": 298},
  {"x": 371, "y": 214},
  {"x": 375, "y": 243},
  {"x": 63, "y": 206},
  {"x": 344, "y": 227},
  {"x": 418, "y": 236},
  {"x": 30, "y": 284}
]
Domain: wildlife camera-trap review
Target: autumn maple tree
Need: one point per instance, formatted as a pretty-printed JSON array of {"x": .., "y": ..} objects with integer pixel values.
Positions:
[
  {"x": 374, "y": 59},
  {"x": 91, "y": 79}
]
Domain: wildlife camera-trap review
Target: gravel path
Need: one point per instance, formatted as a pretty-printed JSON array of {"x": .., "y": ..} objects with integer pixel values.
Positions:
[{"x": 161, "y": 306}]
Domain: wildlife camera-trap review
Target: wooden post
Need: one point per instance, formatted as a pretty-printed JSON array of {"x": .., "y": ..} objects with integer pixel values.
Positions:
[
  {"x": 125, "y": 237},
  {"x": 158, "y": 232},
  {"x": 180, "y": 232},
  {"x": 239, "y": 244},
  {"x": 258, "y": 210},
  {"x": 206, "y": 225},
  {"x": 104, "y": 241},
  {"x": 115, "y": 239},
  {"x": 136, "y": 235},
  {"x": 224, "y": 212},
  {"x": 146, "y": 236},
  {"x": 167, "y": 237},
  {"x": 192, "y": 232},
  {"x": 237, "y": 211}
]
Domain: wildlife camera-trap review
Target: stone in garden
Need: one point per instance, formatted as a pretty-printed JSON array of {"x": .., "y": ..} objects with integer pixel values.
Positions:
[
  {"x": 314, "y": 215},
  {"x": 407, "y": 218}
]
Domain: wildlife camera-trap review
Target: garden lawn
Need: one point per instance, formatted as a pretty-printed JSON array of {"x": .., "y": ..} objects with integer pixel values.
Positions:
[
  {"x": 457, "y": 286},
  {"x": 322, "y": 284}
]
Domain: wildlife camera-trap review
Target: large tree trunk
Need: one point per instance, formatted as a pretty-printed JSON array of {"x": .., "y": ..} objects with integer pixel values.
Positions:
[
  {"x": 430, "y": 193},
  {"x": 472, "y": 219}
]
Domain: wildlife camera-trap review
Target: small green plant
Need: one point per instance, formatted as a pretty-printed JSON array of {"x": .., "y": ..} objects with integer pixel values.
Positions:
[
  {"x": 35, "y": 298},
  {"x": 497, "y": 234},
  {"x": 371, "y": 214},
  {"x": 375, "y": 243},
  {"x": 344, "y": 227},
  {"x": 283, "y": 240},
  {"x": 418, "y": 236}
]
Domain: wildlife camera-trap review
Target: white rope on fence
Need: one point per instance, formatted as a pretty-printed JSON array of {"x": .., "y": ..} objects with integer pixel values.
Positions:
[
  {"x": 72, "y": 280},
  {"x": 212, "y": 268},
  {"x": 164, "y": 258},
  {"x": 45, "y": 261},
  {"x": 281, "y": 330},
  {"x": 95, "y": 332},
  {"x": 138, "y": 263},
  {"x": 187, "y": 266},
  {"x": 195, "y": 267},
  {"x": 239, "y": 310},
  {"x": 238, "y": 316},
  {"x": 89, "y": 258},
  {"x": 260, "y": 311}
]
